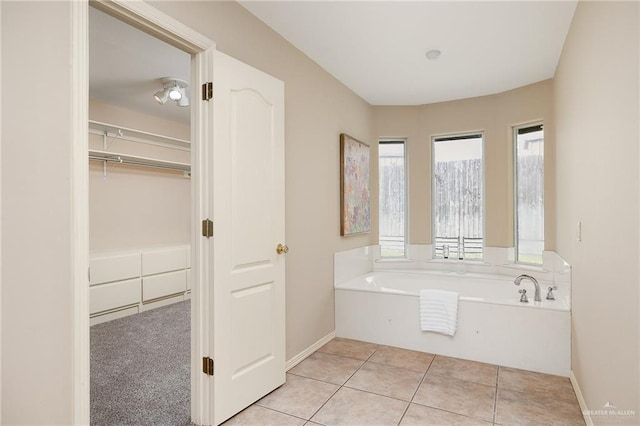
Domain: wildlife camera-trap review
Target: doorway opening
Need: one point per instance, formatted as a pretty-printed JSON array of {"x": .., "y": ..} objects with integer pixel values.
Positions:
[
  {"x": 245, "y": 171},
  {"x": 139, "y": 226},
  {"x": 200, "y": 50}
]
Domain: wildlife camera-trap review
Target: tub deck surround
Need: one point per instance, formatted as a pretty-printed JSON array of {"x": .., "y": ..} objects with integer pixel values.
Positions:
[
  {"x": 382, "y": 307},
  {"x": 497, "y": 264},
  {"x": 472, "y": 287},
  {"x": 498, "y": 261}
]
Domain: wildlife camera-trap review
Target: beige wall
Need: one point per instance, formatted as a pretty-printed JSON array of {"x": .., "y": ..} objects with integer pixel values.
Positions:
[
  {"x": 137, "y": 206},
  {"x": 597, "y": 117},
  {"x": 36, "y": 192},
  {"x": 317, "y": 109},
  {"x": 494, "y": 115},
  {"x": 37, "y": 281},
  {"x": 596, "y": 102}
]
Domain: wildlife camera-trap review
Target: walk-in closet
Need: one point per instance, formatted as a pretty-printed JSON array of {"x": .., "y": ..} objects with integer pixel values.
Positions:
[{"x": 140, "y": 220}]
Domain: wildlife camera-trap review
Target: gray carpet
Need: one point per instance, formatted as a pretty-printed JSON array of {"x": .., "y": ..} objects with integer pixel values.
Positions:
[{"x": 140, "y": 368}]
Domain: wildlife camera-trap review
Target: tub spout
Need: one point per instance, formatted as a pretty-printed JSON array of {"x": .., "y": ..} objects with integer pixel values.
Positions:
[{"x": 536, "y": 297}]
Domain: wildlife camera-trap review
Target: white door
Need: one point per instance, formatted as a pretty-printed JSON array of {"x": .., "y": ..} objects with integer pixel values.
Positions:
[{"x": 248, "y": 215}]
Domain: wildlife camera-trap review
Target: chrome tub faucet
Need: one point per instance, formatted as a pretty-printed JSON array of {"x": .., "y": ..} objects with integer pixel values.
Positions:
[{"x": 536, "y": 296}]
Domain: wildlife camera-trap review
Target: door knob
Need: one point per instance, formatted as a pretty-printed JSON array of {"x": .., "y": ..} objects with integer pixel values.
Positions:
[{"x": 282, "y": 249}]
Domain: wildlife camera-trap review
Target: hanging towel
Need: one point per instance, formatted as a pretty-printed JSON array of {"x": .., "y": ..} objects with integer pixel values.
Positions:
[{"x": 439, "y": 311}]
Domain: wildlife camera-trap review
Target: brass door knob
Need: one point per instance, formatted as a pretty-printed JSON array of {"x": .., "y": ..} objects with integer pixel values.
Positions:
[{"x": 282, "y": 249}]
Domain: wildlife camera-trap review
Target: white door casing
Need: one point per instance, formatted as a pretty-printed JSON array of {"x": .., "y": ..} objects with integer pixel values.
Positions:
[
  {"x": 245, "y": 307},
  {"x": 248, "y": 302},
  {"x": 144, "y": 16}
]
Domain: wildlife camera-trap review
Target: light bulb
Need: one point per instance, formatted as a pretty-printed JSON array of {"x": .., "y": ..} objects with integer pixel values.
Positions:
[{"x": 175, "y": 94}]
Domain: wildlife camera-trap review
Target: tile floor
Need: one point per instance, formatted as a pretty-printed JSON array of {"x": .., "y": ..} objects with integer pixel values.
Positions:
[{"x": 347, "y": 382}]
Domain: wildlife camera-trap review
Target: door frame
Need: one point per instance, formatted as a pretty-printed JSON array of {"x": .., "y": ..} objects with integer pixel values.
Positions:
[{"x": 160, "y": 25}]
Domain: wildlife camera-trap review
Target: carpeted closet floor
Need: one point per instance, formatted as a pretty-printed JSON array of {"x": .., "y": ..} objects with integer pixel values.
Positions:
[{"x": 140, "y": 369}]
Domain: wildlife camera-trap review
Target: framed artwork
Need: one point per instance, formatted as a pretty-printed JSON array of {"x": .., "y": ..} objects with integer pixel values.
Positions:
[{"x": 355, "y": 205}]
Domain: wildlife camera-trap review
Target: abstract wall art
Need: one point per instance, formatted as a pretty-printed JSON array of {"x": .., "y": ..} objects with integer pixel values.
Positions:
[{"x": 355, "y": 205}]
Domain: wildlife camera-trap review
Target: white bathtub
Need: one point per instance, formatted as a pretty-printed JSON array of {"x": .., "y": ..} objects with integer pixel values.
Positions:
[{"x": 493, "y": 325}]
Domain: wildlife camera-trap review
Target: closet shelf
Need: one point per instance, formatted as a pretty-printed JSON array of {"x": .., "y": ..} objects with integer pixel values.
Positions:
[
  {"x": 135, "y": 160},
  {"x": 99, "y": 128}
]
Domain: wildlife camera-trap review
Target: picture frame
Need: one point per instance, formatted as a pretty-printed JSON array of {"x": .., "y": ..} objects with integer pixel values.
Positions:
[{"x": 355, "y": 194}]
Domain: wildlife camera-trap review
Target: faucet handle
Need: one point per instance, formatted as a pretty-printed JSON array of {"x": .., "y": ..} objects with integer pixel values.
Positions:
[
  {"x": 523, "y": 298},
  {"x": 550, "y": 295}
]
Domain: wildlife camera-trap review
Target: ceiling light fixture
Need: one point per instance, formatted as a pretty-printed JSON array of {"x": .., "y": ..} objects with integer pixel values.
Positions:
[
  {"x": 174, "y": 89},
  {"x": 433, "y": 54}
]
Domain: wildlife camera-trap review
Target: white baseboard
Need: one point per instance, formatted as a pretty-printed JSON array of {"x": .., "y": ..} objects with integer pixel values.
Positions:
[
  {"x": 581, "y": 401},
  {"x": 311, "y": 349}
]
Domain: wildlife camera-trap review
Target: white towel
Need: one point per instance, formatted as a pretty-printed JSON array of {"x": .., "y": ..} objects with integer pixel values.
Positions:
[{"x": 439, "y": 311}]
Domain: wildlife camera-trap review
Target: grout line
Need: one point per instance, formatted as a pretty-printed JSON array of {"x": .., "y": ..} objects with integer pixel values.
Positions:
[
  {"x": 495, "y": 397},
  {"x": 342, "y": 385},
  {"x": 441, "y": 409},
  {"x": 325, "y": 403},
  {"x": 377, "y": 394},
  {"x": 496, "y": 386},
  {"x": 477, "y": 419},
  {"x": 423, "y": 377},
  {"x": 395, "y": 366},
  {"x": 315, "y": 412},
  {"x": 463, "y": 380},
  {"x": 313, "y": 378},
  {"x": 417, "y": 388},
  {"x": 404, "y": 413},
  {"x": 273, "y": 409}
]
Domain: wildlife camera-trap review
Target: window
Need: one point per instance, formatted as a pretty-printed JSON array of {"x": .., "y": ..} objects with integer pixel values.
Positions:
[
  {"x": 529, "y": 193},
  {"x": 458, "y": 205},
  {"x": 393, "y": 201}
]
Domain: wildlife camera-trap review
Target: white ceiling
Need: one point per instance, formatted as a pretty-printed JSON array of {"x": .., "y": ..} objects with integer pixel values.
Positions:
[
  {"x": 126, "y": 65},
  {"x": 376, "y": 48}
]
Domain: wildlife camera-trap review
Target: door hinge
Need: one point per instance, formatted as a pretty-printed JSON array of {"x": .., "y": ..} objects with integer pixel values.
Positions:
[
  {"x": 207, "y": 228},
  {"x": 207, "y": 366},
  {"x": 207, "y": 91}
]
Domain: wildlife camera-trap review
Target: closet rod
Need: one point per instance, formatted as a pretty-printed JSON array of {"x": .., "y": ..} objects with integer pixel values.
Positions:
[
  {"x": 112, "y": 157},
  {"x": 125, "y": 137},
  {"x": 97, "y": 127}
]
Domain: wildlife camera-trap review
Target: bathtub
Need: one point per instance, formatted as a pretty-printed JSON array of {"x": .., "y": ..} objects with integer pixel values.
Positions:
[{"x": 493, "y": 325}]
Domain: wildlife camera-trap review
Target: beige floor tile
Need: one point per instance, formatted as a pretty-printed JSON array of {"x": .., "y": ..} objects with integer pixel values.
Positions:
[
  {"x": 457, "y": 396},
  {"x": 327, "y": 367},
  {"x": 461, "y": 369},
  {"x": 354, "y": 407},
  {"x": 419, "y": 415},
  {"x": 299, "y": 396},
  {"x": 536, "y": 384},
  {"x": 516, "y": 408},
  {"x": 403, "y": 358},
  {"x": 256, "y": 415},
  {"x": 349, "y": 348},
  {"x": 386, "y": 380}
]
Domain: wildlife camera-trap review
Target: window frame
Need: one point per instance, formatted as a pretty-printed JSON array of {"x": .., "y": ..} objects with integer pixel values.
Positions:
[
  {"x": 514, "y": 145},
  {"x": 403, "y": 141},
  {"x": 459, "y": 136}
]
